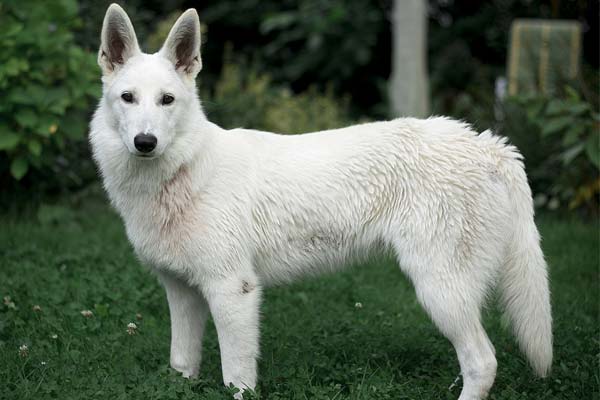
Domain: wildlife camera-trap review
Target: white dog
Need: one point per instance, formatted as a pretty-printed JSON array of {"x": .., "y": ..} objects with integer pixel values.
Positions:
[{"x": 221, "y": 214}]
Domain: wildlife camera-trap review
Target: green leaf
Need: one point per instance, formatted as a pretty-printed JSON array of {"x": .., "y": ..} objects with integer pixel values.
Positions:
[
  {"x": 13, "y": 66},
  {"x": 534, "y": 108},
  {"x": 277, "y": 21},
  {"x": 11, "y": 27},
  {"x": 572, "y": 93},
  {"x": 556, "y": 125},
  {"x": 571, "y": 153},
  {"x": 8, "y": 140},
  {"x": 74, "y": 124},
  {"x": 19, "y": 167},
  {"x": 57, "y": 99},
  {"x": 20, "y": 96},
  {"x": 573, "y": 134},
  {"x": 579, "y": 108},
  {"x": 592, "y": 149},
  {"x": 47, "y": 125},
  {"x": 26, "y": 117},
  {"x": 94, "y": 90},
  {"x": 101, "y": 310},
  {"x": 35, "y": 147},
  {"x": 556, "y": 107}
]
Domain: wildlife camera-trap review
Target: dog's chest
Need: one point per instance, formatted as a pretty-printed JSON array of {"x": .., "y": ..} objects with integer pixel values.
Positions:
[
  {"x": 160, "y": 225},
  {"x": 174, "y": 204}
]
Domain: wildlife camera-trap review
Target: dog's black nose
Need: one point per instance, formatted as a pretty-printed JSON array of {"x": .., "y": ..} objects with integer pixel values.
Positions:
[{"x": 145, "y": 142}]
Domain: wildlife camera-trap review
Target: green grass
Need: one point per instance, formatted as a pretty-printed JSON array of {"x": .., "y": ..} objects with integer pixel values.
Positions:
[{"x": 315, "y": 343}]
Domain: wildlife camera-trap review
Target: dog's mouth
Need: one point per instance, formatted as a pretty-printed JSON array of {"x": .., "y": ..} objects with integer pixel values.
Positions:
[{"x": 146, "y": 156}]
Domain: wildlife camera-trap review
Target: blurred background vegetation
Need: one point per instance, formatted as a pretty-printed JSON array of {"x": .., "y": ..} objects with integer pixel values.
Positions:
[{"x": 291, "y": 67}]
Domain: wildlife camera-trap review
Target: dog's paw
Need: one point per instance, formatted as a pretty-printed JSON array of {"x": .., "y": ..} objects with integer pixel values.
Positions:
[
  {"x": 238, "y": 396},
  {"x": 185, "y": 370}
]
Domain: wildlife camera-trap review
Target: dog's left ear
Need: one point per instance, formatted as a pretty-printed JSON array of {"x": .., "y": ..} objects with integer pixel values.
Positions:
[{"x": 182, "y": 46}]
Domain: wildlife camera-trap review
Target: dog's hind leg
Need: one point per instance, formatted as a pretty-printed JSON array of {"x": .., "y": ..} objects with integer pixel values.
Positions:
[
  {"x": 188, "y": 311},
  {"x": 453, "y": 300}
]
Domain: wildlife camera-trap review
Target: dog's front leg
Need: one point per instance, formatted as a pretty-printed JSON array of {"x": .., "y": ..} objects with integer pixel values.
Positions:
[
  {"x": 188, "y": 311},
  {"x": 234, "y": 305}
]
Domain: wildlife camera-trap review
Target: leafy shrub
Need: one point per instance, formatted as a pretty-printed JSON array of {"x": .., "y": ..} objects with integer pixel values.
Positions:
[
  {"x": 244, "y": 98},
  {"x": 313, "y": 31},
  {"x": 337, "y": 45},
  {"x": 559, "y": 138},
  {"x": 48, "y": 86},
  {"x": 156, "y": 39},
  {"x": 474, "y": 105}
]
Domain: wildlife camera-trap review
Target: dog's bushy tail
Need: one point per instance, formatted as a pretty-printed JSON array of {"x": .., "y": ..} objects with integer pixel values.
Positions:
[{"x": 524, "y": 278}]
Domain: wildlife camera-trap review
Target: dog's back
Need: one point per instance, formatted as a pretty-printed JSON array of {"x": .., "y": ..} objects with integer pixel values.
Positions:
[{"x": 322, "y": 199}]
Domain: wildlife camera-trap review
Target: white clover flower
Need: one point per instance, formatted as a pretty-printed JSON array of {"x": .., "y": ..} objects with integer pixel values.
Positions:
[
  {"x": 87, "y": 313},
  {"x": 36, "y": 308},
  {"x": 54, "y": 336},
  {"x": 23, "y": 350},
  {"x": 131, "y": 328},
  {"x": 358, "y": 305},
  {"x": 9, "y": 303},
  {"x": 553, "y": 204},
  {"x": 540, "y": 200},
  {"x": 43, "y": 363}
]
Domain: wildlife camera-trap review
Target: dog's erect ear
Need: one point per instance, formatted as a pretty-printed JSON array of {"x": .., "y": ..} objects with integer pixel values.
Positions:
[
  {"x": 182, "y": 46},
  {"x": 118, "y": 40}
]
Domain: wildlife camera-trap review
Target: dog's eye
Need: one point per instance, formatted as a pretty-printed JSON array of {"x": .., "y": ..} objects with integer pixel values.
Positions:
[
  {"x": 127, "y": 97},
  {"x": 167, "y": 99}
]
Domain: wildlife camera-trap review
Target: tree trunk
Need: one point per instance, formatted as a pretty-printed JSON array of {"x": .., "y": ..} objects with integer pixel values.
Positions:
[{"x": 409, "y": 89}]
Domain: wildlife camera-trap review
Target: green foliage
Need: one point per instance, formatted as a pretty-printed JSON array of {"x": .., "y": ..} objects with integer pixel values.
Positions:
[
  {"x": 156, "y": 39},
  {"x": 475, "y": 104},
  {"x": 325, "y": 39},
  {"x": 315, "y": 343},
  {"x": 244, "y": 98},
  {"x": 335, "y": 44},
  {"x": 47, "y": 82},
  {"x": 560, "y": 140}
]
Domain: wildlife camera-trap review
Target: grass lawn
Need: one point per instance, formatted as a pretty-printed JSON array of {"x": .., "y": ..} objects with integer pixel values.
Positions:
[{"x": 316, "y": 344}]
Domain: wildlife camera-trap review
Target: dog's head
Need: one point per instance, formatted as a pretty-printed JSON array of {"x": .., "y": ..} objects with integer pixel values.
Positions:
[{"x": 148, "y": 95}]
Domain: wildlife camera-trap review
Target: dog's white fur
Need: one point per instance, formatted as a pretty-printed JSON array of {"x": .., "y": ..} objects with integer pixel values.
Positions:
[{"x": 221, "y": 214}]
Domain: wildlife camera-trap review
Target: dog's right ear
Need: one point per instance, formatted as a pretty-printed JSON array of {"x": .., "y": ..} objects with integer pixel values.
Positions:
[{"x": 118, "y": 40}]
